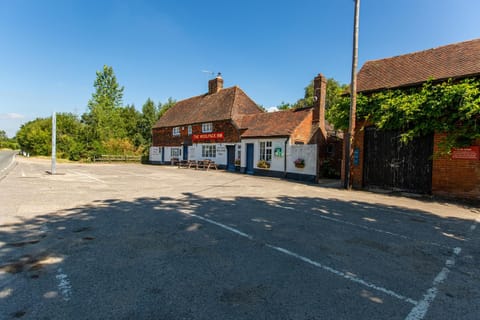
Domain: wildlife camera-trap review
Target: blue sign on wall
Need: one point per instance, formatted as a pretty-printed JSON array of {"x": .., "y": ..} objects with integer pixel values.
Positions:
[{"x": 356, "y": 157}]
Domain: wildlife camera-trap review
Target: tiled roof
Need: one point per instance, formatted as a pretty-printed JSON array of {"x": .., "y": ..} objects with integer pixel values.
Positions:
[
  {"x": 229, "y": 103},
  {"x": 459, "y": 60},
  {"x": 273, "y": 124}
]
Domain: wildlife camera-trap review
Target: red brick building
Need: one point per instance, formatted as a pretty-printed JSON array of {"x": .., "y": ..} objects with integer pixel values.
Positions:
[
  {"x": 381, "y": 161},
  {"x": 205, "y": 126},
  {"x": 226, "y": 126}
]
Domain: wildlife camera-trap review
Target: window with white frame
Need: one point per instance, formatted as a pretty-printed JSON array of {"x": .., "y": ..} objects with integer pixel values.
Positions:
[
  {"x": 207, "y": 127},
  {"x": 189, "y": 130},
  {"x": 209, "y": 151},
  {"x": 176, "y": 131},
  {"x": 266, "y": 150},
  {"x": 175, "y": 152}
]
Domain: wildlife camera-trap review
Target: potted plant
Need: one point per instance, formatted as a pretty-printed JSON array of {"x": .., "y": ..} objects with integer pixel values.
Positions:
[
  {"x": 299, "y": 163},
  {"x": 263, "y": 164}
]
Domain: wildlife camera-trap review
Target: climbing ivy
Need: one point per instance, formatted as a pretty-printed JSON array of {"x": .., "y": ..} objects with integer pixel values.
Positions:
[{"x": 452, "y": 107}]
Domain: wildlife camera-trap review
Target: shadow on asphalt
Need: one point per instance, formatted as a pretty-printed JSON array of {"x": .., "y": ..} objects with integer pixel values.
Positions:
[{"x": 195, "y": 270}]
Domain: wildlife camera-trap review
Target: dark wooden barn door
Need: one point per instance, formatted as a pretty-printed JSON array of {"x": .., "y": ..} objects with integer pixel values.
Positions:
[{"x": 390, "y": 164}]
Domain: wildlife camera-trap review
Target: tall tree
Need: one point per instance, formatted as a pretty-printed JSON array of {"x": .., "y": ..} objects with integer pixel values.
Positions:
[
  {"x": 104, "y": 115},
  {"x": 167, "y": 105},
  {"x": 150, "y": 114}
]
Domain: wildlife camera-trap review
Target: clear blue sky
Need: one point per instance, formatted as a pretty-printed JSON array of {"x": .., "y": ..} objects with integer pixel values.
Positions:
[{"x": 50, "y": 49}]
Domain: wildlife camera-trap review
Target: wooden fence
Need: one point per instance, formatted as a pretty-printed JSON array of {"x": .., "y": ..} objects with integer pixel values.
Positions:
[{"x": 116, "y": 158}]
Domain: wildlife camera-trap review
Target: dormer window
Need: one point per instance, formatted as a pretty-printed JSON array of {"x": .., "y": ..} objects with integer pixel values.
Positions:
[
  {"x": 207, "y": 127},
  {"x": 176, "y": 131}
]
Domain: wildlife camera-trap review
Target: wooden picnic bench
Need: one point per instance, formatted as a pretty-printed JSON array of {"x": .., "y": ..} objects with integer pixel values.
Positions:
[
  {"x": 183, "y": 164},
  {"x": 206, "y": 164}
]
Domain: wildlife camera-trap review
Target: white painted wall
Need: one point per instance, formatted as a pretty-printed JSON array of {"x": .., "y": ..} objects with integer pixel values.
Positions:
[
  {"x": 155, "y": 154},
  {"x": 307, "y": 152},
  {"x": 168, "y": 153},
  {"x": 194, "y": 152}
]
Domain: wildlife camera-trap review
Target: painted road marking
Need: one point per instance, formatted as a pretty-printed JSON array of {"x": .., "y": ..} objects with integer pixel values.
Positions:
[
  {"x": 85, "y": 175},
  {"x": 9, "y": 165},
  {"x": 64, "y": 285},
  {"x": 309, "y": 261},
  {"x": 420, "y": 310},
  {"x": 393, "y": 234}
]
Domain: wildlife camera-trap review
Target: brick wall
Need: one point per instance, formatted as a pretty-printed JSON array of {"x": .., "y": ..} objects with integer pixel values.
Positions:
[
  {"x": 164, "y": 137},
  {"x": 303, "y": 131},
  {"x": 455, "y": 178}
]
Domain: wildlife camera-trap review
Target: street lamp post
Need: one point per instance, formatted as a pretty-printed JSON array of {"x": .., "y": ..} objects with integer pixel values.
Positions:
[{"x": 349, "y": 145}]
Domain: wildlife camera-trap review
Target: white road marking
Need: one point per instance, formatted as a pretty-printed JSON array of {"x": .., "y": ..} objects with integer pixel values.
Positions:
[
  {"x": 343, "y": 275},
  {"x": 10, "y": 164},
  {"x": 64, "y": 285},
  {"x": 309, "y": 261},
  {"x": 221, "y": 225},
  {"x": 421, "y": 309},
  {"x": 393, "y": 234},
  {"x": 85, "y": 175}
]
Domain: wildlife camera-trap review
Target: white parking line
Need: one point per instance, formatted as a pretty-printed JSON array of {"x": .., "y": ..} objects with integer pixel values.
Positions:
[
  {"x": 85, "y": 175},
  {"x": 420, "y": 310},
  {"x": 393, "y": 234},
  {"x": 309, "y": 261},
  {"x": 64, "y": 285}
]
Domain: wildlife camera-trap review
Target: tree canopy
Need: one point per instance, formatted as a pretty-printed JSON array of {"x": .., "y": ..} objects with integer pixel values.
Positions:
[
  {"x": 446, "y": 107},
  {"x": 107, "y": 127},
  {"x": 333, "y": 94}
]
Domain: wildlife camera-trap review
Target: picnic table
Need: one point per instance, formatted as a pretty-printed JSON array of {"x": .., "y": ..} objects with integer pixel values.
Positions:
[
  {"x": 183, "y": 164},
  {"x": 198, "y": 164}
]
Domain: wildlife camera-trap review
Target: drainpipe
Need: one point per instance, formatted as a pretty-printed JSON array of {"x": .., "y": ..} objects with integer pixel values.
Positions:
[{"x": 285, "y": 159}]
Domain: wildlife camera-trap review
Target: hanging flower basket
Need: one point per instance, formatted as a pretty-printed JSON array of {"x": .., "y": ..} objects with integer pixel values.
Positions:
[{"x": 299, "y": 163}]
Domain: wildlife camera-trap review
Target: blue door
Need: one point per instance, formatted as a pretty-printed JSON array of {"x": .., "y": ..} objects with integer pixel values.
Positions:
[
  {"x": 231, "y": 158},
  {"x": 185, "y": 152},
  {"x": 249, "y": 168}
]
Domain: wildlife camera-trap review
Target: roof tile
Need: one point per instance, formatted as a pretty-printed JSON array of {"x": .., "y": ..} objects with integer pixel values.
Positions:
[
  {"x": 459, "y": 60},
  {"x": 273, "y": 124}
]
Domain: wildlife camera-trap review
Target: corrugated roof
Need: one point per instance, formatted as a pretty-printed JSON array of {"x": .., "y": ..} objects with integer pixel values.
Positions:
[
  {"x": 229, "y": 103},
  {"x": 273, "y": 124},
  {"x": 459, "y": 60}
]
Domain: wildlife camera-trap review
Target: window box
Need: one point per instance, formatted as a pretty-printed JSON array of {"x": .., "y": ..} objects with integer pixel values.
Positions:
[{"x": 262, "y": 164}]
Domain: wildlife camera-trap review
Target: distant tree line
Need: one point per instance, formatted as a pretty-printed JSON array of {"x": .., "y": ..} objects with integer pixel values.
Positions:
[
  {"x": 6, "y": 142},
  {"x": 110, "y": 127},
  {"x": 107, "y": 127}
]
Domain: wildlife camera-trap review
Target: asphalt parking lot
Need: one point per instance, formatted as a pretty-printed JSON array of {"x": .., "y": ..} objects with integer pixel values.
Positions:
[{"x": 126, "y": 241}]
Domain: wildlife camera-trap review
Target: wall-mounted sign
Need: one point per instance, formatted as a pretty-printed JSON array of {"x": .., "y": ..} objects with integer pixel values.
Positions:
[
  {"x": 218, "y": 136},
  {"x": 470, "y": 153},
  {"x": 278, "y": 152},
  {"x": 356, "y": 157}
]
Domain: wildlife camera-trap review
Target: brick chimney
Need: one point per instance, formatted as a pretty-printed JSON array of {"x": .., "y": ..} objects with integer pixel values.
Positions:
[
  {"x": 320, "y": 91},
  {"x": 215, "y": 85}
]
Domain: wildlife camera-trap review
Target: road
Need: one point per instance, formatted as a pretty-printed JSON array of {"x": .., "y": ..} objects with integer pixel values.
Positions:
[
  {"x": 7, "y": 158},
  {"x": 113, "y": 241}
]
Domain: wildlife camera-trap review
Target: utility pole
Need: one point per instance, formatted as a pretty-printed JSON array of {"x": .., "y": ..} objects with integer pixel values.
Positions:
[
  {"x": 350, "y": 138},
  {"x": 54, "y": 143}
]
